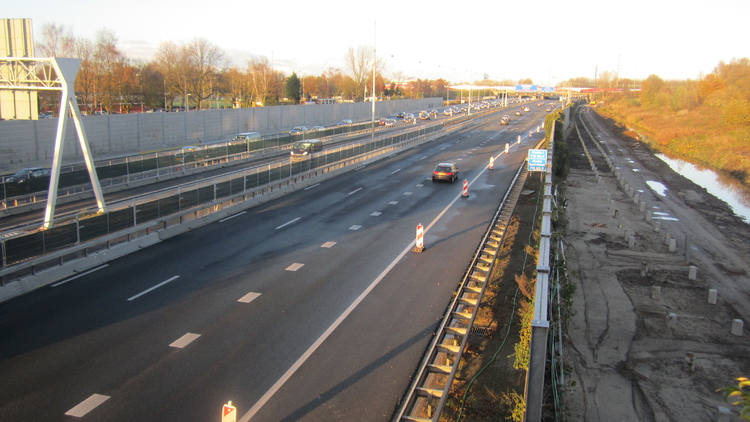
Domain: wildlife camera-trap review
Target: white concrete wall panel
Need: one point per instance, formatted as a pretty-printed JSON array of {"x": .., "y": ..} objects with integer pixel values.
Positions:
[{"x": 27, "y": 143}]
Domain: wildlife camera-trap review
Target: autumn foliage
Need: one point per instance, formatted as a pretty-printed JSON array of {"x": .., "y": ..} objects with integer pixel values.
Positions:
[{"x": 706, "y": 122}]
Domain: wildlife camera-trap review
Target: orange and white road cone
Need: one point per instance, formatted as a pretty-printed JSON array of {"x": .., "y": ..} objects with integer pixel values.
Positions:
[
  {"x": 419, "y": 246},
  {"x": 492, "y": 163},
  {"x": 507, "y": 148},
  {"x": 465, "y": 192},
  {"x": 531, "y": 134},
  {"x": 519, "y": 139}
]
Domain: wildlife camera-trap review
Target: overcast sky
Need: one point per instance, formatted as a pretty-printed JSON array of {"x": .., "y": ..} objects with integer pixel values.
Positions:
[{"x": 546, "y": 41}]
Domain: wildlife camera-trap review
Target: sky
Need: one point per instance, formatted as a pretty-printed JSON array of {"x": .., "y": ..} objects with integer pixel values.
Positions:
[{"x": 460, "y": 41}]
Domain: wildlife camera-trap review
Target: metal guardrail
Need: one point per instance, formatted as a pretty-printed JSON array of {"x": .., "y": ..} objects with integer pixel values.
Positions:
[{"x": 426, "y": 396}]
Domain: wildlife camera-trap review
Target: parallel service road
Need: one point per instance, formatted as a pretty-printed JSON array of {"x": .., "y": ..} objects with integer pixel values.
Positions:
[{"x": 308, "y": 308}]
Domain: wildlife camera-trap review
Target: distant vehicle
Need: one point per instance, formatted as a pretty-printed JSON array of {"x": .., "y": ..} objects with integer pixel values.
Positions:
[
  {"x": 31, "y": 179},
  {"x": 325, "y": 101},
  {"x": 344, "y": 122},
  {"x": 548, "y": 109},
  {"x": 409, "y": 118},
  {"x": 539, "y": 104},
  {"x": 382, "y": 121},
  {"x": 390, "y": 122},
  {"x": 317, "y": 128},
  {"x": 46, "y": 115},
  {"x": 100, "y": 113},
  {"x": 445, "y": 171},
  {"x": 401, "y": 114},
  {"x": 297, "y": 130},
  {"x": 433, "y": 113},
  {"x": 526, "y": 109},
  {"x": 448, "y": 111},
  {"x": 423, "y": 115},
  {"x": 247, "y": 136},
  {"x": 518, "y": 113},
  {"x": 302, "y": 149},
  {"x": 505, "y": 120}
]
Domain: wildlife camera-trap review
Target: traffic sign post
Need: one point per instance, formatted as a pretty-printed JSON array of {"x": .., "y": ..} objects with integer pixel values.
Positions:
[
  {"x": 537, "y": 160},
  {"x": 229, "y": 413}
]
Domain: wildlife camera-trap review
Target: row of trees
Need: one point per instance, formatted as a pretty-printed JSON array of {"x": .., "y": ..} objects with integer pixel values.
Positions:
[{"x": 199, "y": 74}]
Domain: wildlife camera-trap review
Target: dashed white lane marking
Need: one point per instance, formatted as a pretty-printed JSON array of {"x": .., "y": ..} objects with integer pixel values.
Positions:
[
  {"x": 419, "y": 185},
  {"x": 355, "y": 191},
  {"x": 355, "y": 227},
  {"x": 376, "y": 213},
  {"x": 287, "y": 223},
  {"x": 232, "y": 216},
  {"x": 87, "y": 405},
  {"x": 328, "y": 245},
  {"x": 407, "y": 193},
  {"x": 184, "y": 340},
  {"x": 248, "y": 297},
  {"x": 395, "y": 171},
  {"x": 359, "y": 168},
  {"x": 153, "y": 288},
  {"x": 393, "y": 203},
  {"x": 60, "y": 283},
  {"x": 294, "y": 267},
  {"x": 313, "y": 186}
]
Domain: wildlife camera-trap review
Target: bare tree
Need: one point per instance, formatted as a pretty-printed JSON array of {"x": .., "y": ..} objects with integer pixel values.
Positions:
[
  {"x": 56, "y": 41},
  {"x": 360, "y": 62},
  {"x": 205, "y": 64},
  {"x": 171, "y": 65}
]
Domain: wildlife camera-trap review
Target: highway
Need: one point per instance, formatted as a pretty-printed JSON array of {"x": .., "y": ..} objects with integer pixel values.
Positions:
[{"x": 308, "y": 308}]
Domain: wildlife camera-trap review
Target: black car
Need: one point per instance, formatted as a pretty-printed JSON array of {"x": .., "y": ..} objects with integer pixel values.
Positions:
[
  {"x": 445, "y": 171},
  {"x": 32, "y": 179},
  {"x": 401, "y": 114}
]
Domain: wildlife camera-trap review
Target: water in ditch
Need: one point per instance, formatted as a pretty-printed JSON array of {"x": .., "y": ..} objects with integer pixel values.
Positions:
[{"x": 735, "y": 195}]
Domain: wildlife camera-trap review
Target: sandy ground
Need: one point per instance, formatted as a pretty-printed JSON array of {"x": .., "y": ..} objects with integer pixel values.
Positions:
[{"x": 627, "y": 360}]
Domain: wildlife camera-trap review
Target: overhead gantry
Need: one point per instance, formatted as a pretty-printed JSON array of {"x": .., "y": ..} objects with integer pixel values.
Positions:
[{"x": 53, "y": 74}]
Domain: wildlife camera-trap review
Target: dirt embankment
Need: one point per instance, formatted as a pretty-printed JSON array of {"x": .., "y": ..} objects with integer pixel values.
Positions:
[{"x": 645, "y": 344}]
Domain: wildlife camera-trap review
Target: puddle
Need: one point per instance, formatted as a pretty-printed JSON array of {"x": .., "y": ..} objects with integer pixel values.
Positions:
[
  {"x": 734, "y": 196},
  {"x": 657, "y": 187}
]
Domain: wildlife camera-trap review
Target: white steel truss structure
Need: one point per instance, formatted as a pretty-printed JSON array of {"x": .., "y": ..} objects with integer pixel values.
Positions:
[{"x": 57, "y": 74}]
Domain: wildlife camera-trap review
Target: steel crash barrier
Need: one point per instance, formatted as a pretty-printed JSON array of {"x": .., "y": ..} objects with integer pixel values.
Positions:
[{"x": 28, "y": 251}]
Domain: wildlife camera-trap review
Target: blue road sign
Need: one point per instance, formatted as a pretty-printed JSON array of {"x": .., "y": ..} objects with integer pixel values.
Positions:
[
  {"x": 527, "y": 88},
  {"x": 537, "y": 160},
  {"x": 548, "y": 89}
]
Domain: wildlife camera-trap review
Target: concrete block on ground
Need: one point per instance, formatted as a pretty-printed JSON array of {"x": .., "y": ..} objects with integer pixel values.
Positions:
[
  {"x": 656, "y": 292},
  {"x": 693, "y": 272},
  {"x": 712, "y": 295},
  {"x": 672, "y": 245},
  {"x": 737, "y": 325}
]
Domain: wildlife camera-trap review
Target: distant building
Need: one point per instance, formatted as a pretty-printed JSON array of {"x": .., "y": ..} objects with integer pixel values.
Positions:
[{"x": 17, "y": 40}]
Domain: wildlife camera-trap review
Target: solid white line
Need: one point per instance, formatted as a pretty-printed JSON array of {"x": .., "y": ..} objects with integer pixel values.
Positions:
[
  {"x": 154, "y": 287},
  {"x": 80, "y": 275},
  {"x": 395, "y": 171},
  {"x": 355, "y": 191},
  {"x": 287, "y": 223},
  {"x": 232, "y": 216},
  {"x": 301, "y": 360},
  {"x": 87, "y": 405},
  {"x": 184, "y": 340},
  {"x": 312, "y": 186}
]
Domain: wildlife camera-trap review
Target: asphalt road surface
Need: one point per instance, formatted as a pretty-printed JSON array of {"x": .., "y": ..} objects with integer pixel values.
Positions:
[{"x": 308, "y": 308}]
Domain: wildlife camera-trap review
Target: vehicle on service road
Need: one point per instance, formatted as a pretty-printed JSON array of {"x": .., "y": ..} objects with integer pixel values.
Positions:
[
  {"x": 434, "y": 113},
  {"x": 423, "y": 115},
  {"x": 31, "y": 179},
  {"x": 445, "y": 171},
  {"x": 302, "y": 149},
  {"x": 344, "y": 122},
  {"x": 297, "y": 130},
  {"x": 409, "y": 118}
]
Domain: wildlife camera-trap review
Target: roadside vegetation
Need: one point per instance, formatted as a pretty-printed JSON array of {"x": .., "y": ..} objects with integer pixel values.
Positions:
[{"x": 705, "y": 122}]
